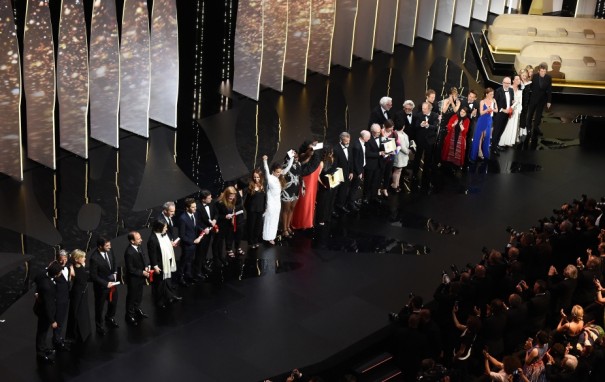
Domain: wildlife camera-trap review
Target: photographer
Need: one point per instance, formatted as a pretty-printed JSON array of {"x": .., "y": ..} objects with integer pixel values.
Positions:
[{"x": 510, "y": 369}]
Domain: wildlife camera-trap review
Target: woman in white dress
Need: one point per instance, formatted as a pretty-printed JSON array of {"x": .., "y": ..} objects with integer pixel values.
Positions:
[
  {"x": 511, "y": 131},
  {"x": 275, "y": 184}
]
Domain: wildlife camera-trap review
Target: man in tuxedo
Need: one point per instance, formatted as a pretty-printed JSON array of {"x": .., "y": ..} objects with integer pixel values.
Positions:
[
  {"x": 427, "y": 123},
  {"x": 541, "y": 94},
  {"x": 504, "y": 97},
  {"x": 373, "y": 154},
  {"x": 429, "y": 96},
  {"x": 208, "y": 217},
  {"x": 138, "y": 270},
  {"x": 167, "y": 216},
  {"x": 382, "y": 112},
  {"x": 472, "y": 105},
  {"x": 45, "y": 309},
  {"x": 358, "y": 162},
  {"x": 62, "y": 284},
  {"x": 103, "y": 271},
  {"x": 190, "y": 238},
  {"x": 404, "y": 119},
  {"x": 343, "y": 158}
]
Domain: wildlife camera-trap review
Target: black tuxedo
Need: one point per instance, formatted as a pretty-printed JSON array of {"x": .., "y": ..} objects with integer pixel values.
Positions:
[
  {"x": 402, "y": 121},
  {"x": 45, "y": 309},
  {"x": 188, "y": 231},
  {"x": 541, "y": 94},
  {"x": 346, "y": 163},
  {"x": 101, "y": 273},
  {"x": 377, "y": 116},
  {"x": 172, "y": 229},
  {"x": 136, "y": 262},
  {"x": 202, "y": 252},
  {"x": 62, "y": 286},
  {"x": 358, "y": 157},
  {"x": 372, "y": 168},
  {"x": 501, "y": 117},
  {"x": 471, "y": 125}
]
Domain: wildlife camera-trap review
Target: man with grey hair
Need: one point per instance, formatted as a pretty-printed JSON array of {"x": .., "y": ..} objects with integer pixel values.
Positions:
[
  {"x": 373, "y": 153},
  {"x": 62, "y": 284},
  {"x": 405, "y": 119},
  {"x": 343, "y": 159},
  {"x": 167, "y": 216},
  {"x": 505, "y": 97},
  {"x": 382, "y": 112}
]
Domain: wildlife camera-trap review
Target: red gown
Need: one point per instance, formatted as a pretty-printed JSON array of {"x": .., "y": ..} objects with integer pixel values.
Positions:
[
  {"x": 453, "y": 150},
  {"x": 304, "y": 211}
]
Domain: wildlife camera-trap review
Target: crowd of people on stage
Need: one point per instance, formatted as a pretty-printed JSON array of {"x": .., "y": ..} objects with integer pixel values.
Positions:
[
  {"x": 313, "y": 184},
  {"x": 533, "y": 311}
]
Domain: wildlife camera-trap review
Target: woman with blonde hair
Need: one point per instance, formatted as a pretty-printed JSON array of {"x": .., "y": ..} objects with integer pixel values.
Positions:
[
  {"x": 78, "y": 322},
  {"x": 230, "y": 209}
]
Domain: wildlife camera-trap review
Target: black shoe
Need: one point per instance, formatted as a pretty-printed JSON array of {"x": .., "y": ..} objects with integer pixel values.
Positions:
[
  {"x": 501, "y": 148},
  {"x": 495, "y": 153},
  {"x": 353, "y": 208},
  {"x": 141, "y": 314},
  {"x": 208, "y": 268},
  {"x": 335, "y": 215},
  {"x": 182, "y": 283},
  {"x": 345, "y": 210},
  {"x": 162, "y": 306},
  {"x": 111, "y": 323},
  {"x": 101, "y": 331},
  {"x": 176, "y": 299},
  {"x": 131, "y": 321}
]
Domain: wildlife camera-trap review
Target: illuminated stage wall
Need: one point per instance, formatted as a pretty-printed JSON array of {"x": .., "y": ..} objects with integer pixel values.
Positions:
[
  {"x": 72, "y": 79},
  {"x": 386, "y": 24},
  {"x": 39, "y": 83},
  {"x": 406, "y": 23},
  {"x": 164, "y": 63},
  {"x": 274, "y": 43},
  {"x": 299, "y": 25},
  {"x": 10, "y": 95},
  {"x": 365, "y": 29},
  {"x": 322, "y": 29},
  {"x": 344, "y": 31},
  {"x": 134, "y": 68},
  {"x": 248, "y": 48},
  {"x": 104, "y": 73}
]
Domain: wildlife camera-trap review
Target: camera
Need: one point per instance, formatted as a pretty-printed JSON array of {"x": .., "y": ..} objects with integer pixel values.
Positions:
[
  {"x": 393, "y": 316},
  {"x": 513, "y": 232},
  {"x": 445, "y": 278}
]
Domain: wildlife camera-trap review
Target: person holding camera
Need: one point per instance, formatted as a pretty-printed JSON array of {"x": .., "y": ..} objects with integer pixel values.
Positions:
[{"x": 510, "y": 368}]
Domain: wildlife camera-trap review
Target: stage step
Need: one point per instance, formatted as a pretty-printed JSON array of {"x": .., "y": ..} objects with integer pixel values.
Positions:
[{"x": 380, "y": 368}]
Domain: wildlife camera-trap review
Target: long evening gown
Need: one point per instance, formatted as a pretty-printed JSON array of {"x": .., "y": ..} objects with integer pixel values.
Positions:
[
  {"x": 484, "y": 124},
  {"x": 273, "y": 206},
  {"x": 78, "y": 322},
  {"x": 304, "y": 211},
  {"x": 454, "y": 144},
  {"x": 511, "y": 131}
]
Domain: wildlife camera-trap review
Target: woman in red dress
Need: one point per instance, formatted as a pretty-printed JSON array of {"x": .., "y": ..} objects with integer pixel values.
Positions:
[
  {"x": 454, "y": 144},
  {"x": 304, "y": 211}
]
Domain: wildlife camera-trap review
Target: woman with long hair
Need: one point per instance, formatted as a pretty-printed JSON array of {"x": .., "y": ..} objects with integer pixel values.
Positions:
[
  {"x": 450, "y": 105},
  {"x": 454, "y": 144},
  {"x": 289, "y": 195},
  {"x": 325, "y": 194},
  {"x": 255, "y": 200},
  {"x": 303, "y": 216},
  {"x": 229, "y": 209},
  {"x": 483, "y": 128},
  {"x": 275, "y": 184}
]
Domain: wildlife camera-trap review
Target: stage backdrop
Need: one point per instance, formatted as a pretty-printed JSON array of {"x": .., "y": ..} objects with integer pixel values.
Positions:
[
  {"x": 72, "y": 79},
  {"x": 10, "y": 95},
  {"x": 134, "y": 68},
  {"x": 297, "y": 48},
  {"x": 39, "y": 83},
  {"x": 365, "y": 28},
  {"x": 104, "y": 73},
  {"x": 248, "y": 48},
  {"x": 344, "y": 30},
  {"x": 274, "y": 43},
  {"x": 322, "y": 29},
  {"x": 164, "y": 62},
  {"x": 386, "y": 25}
]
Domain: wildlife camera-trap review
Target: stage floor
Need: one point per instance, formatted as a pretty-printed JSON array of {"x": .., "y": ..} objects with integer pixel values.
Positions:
[{"x": 306, "y": 299}]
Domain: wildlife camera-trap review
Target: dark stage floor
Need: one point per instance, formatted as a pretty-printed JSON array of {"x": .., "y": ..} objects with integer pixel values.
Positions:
[{"x": 304, "y": 300}]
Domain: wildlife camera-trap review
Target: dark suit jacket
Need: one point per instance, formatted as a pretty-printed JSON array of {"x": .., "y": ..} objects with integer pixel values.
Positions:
[
  {"x": 62, "y": 287},
  {"x": 100, "y": 272},
  {"x": 172, "y": 231},
  {"x": 188, "y": 231},
  {"x": 541, "y": 91},
  {"x": 45, "y": 307},
  {"x": 377, "y": 116},
  {"x": 426, "y": 135},
  {"x": 340, "y": 160},
  {"x": 204, "y": 218},
  {"x": 372, "y": 154},
  {"x": 500, "y": 97},
  {"x": 401, "y": 121},
  {"x": 136, "y": 262},
  {"x": 154, "y": 251},
  {"x": 357, "y": 156},
  {"x": 475, "y": 104}
]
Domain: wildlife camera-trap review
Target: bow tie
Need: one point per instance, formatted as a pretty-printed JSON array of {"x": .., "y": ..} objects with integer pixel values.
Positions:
[
  {"x": 345, "y": 146},
  {"x": 409, "y": 115},
  {"x": 163, "y": 234}
]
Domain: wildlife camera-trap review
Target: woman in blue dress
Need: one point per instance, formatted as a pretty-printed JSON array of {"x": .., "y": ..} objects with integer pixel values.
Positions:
[{"x": 483, "y": 129}]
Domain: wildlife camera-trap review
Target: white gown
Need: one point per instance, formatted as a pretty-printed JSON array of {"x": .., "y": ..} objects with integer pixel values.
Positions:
[
  {"x": 511, "y": 131},
  {"x": 273, "y": 206}
]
